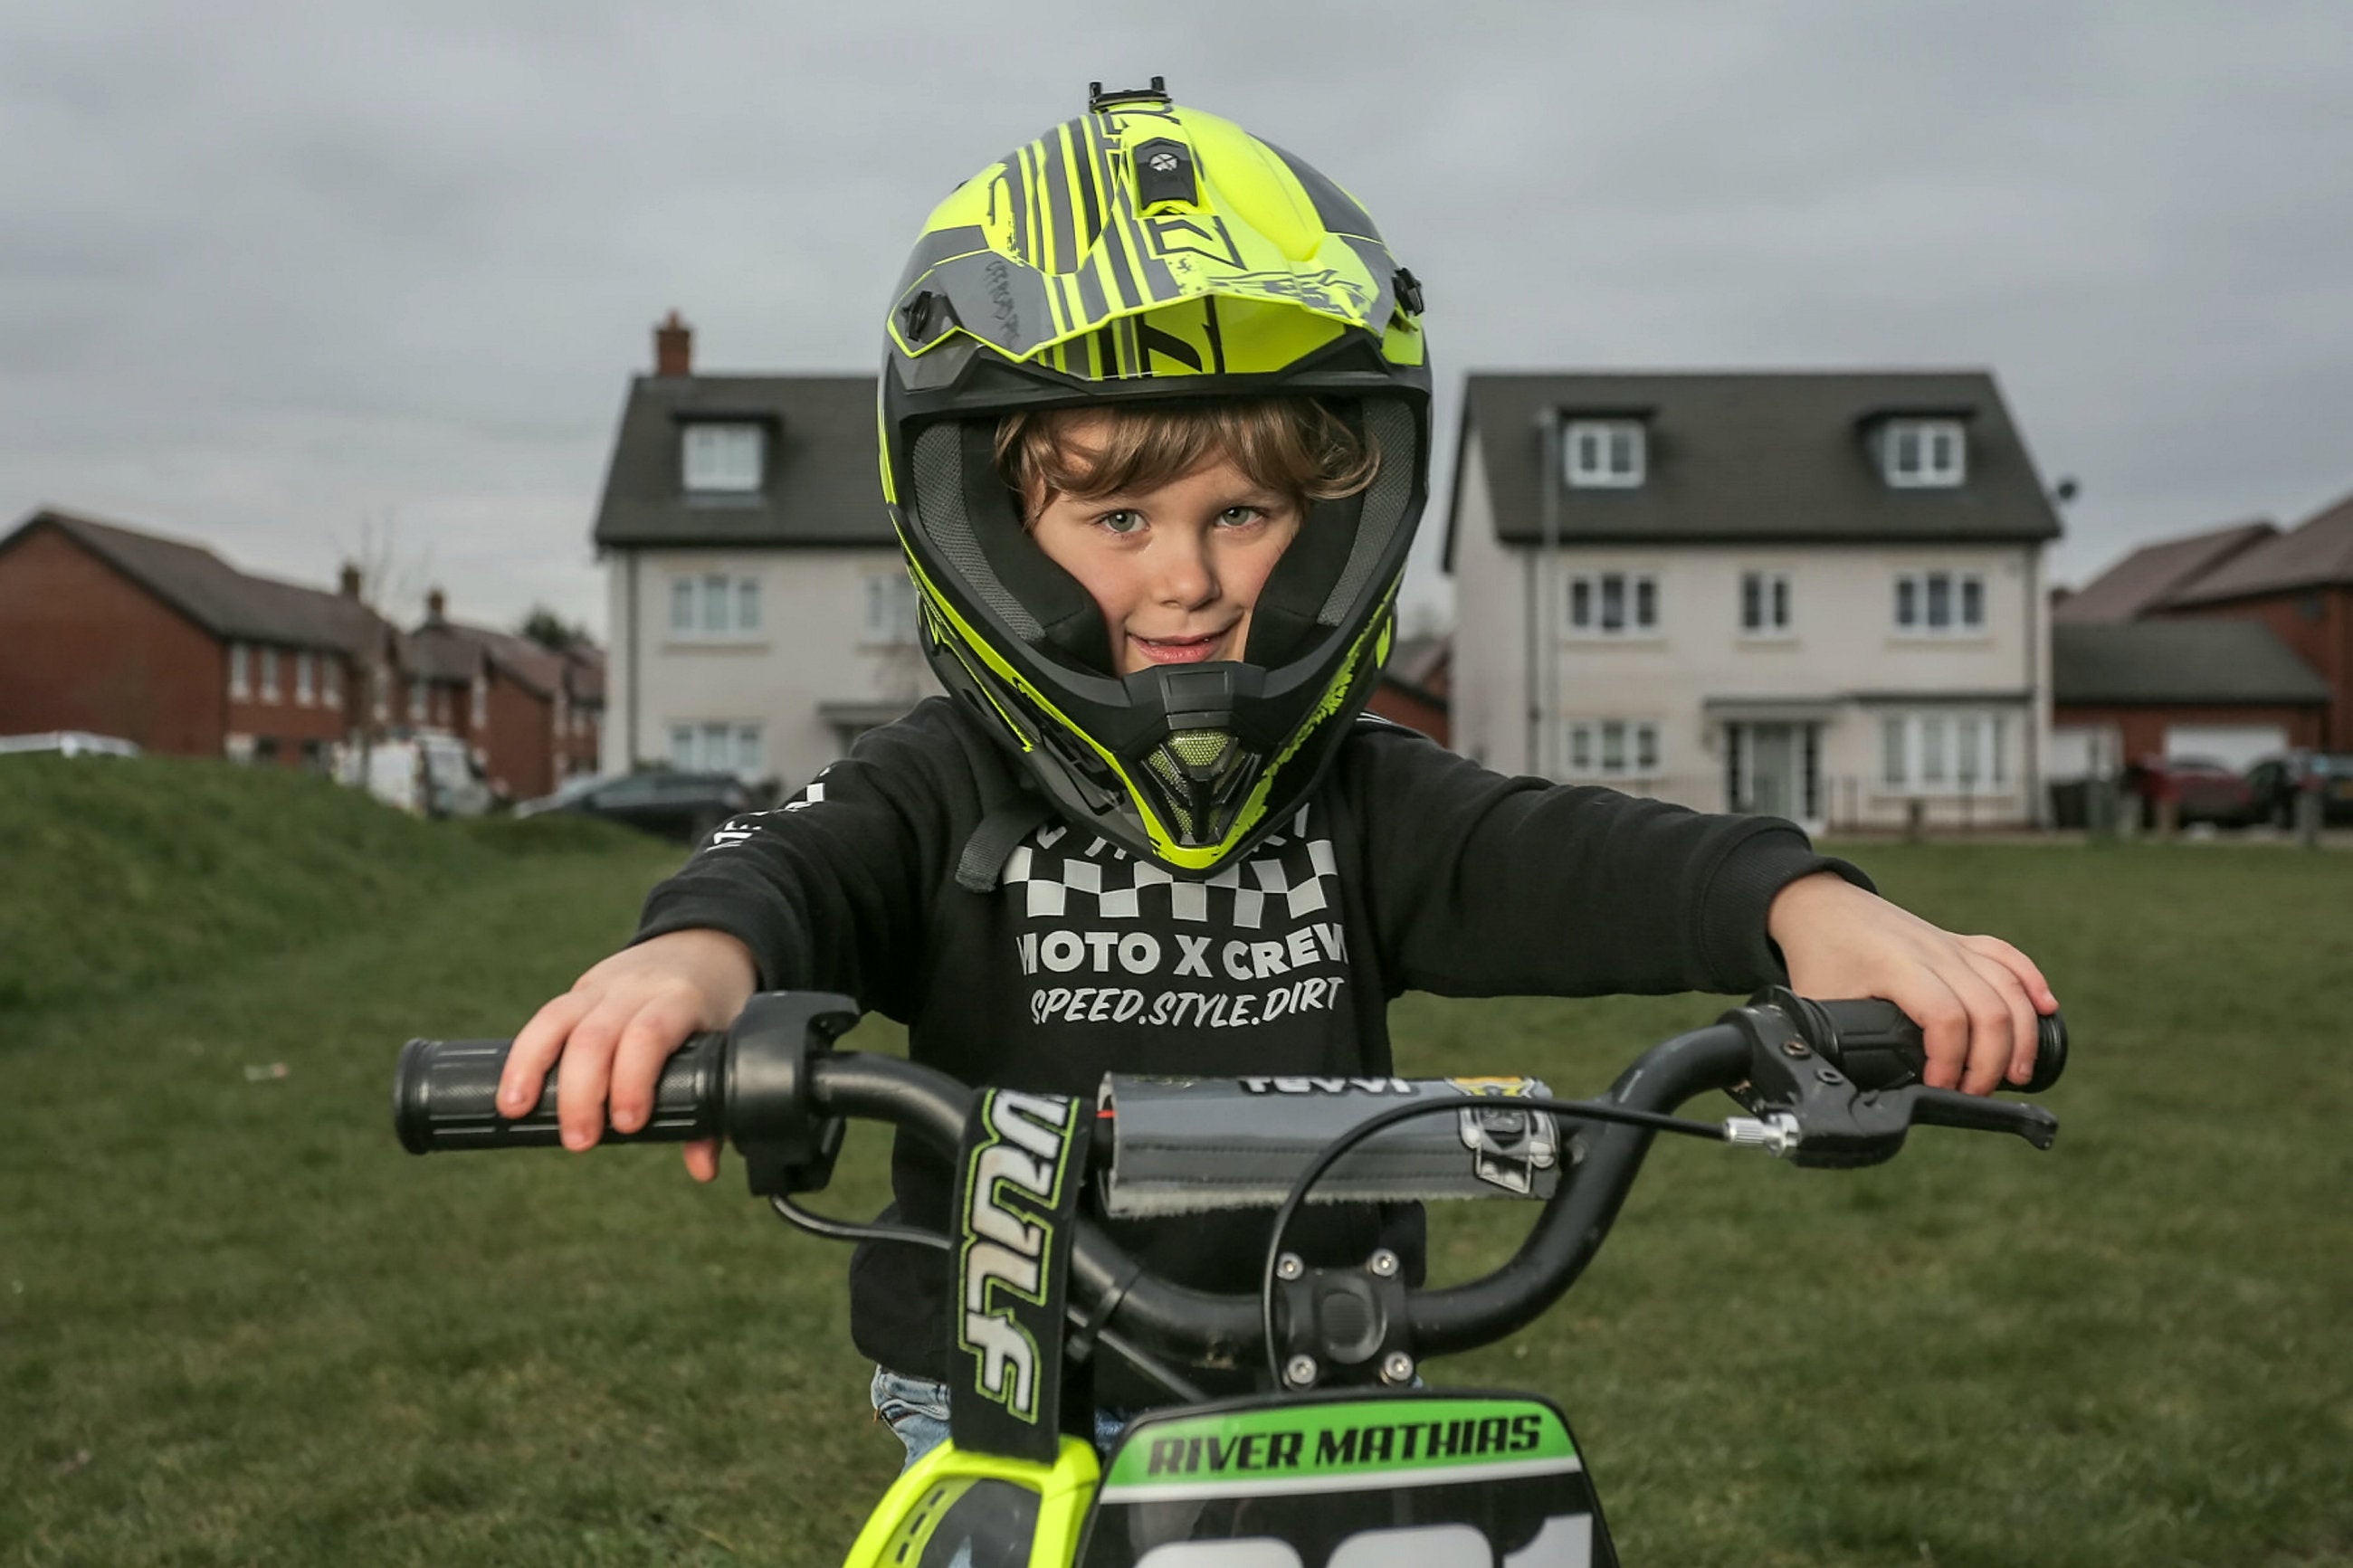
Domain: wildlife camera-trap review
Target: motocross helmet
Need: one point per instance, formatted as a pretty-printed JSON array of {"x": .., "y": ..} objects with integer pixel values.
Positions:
[{"x": 1146, "y": 252}]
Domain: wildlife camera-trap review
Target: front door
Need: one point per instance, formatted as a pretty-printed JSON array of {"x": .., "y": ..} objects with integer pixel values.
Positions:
[
  {"x": 1774, "y": 781},
  {"x": 1771, "y": 768}
]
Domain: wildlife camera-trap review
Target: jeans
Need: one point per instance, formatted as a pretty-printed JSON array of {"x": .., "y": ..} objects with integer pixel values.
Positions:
[{"x": 917, "y": 1410}]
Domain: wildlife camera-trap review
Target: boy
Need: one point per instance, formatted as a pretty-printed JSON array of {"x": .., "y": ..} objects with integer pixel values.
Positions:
[{"x": 1155, "y": 419}]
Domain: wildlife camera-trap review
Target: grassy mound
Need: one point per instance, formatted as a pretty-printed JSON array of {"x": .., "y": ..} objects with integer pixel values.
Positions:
[{"x": 123, "y": 874}]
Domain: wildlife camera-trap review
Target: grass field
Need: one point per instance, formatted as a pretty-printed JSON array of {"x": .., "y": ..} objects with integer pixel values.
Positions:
[{"x": 239, "y": 1326}]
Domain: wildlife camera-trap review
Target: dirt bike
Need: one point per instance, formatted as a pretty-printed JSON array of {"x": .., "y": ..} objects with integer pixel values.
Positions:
[{"x": 1342, "y": 1459}]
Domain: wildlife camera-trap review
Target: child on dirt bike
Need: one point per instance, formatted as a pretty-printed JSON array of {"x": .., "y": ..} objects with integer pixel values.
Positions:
[{"x": 1156, "y": 430}]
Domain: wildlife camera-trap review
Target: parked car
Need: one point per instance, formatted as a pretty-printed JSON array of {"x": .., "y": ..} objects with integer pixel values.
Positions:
[
  {"x": 70, "y": 743},
  {"x": 683, "y": 806},
  {"x": 2203, "y": 789},
  {"x": 2274, "y": 781},
  {"x": 429, "y": 771}
]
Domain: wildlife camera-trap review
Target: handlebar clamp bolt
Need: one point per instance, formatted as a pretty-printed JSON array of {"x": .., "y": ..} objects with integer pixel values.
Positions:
[
  {"x": 1384, "y": 1263},
  {"x": 1290, "y": 1266},
  {"x": 1397, "y": 1369},
  {"x": 1795, "y": 1048},
  {"x": 1829, "y": 1075},
  {"x": 1300, "y": 1371}
]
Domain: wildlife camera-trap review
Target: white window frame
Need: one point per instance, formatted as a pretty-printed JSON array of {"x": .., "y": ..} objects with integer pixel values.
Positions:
[
  {"x": 1772, "y": 601},
  {"x": 718, "y": 746},
  {"x": 718, "y": 458},
  {"x": 1915, "y": 591},
  {"x": 1587, "y": 595},
  {"x": 1611, "y": 748},
  {"x": 267, "y": 656},
  {"x": 1605, "y": 454},
  {"x": 479, "y": 710},
  {"x": 240, "y": 672},
  {"x": 714, "y": 606},
  {"x": 306, "y": 678},
  {"x": 420, "y": 711},
  {"x": 1909, "y": 450},
  {"x": 1947, "y": 752},
  {"x": 331, "y": 680},
  {"x": 890, "y": 618}
]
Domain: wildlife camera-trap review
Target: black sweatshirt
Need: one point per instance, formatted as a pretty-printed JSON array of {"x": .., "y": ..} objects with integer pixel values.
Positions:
[{"x": 1409, "y": 867}]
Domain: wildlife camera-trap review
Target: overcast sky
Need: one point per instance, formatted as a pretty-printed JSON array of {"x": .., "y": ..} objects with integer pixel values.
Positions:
[{"x": 284, "y": 277}]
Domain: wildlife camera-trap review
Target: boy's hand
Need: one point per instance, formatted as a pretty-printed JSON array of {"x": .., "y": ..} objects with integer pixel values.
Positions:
[
  {"x": 618, "y": 1024},
  {"x": 1975, "y": 997}
]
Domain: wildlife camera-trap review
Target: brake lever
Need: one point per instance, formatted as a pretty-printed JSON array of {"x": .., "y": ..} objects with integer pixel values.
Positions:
[
  {"x": 1982, "y": 1114},
  {"x": 1811, "y": 1114}
]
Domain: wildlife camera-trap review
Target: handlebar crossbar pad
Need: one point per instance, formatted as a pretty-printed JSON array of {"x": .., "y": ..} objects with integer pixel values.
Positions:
[{"x": 1185, "y": 1145}]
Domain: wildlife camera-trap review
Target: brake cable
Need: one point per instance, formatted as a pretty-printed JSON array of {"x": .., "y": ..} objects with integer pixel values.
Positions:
[{"x": 1579, "y": 1110}]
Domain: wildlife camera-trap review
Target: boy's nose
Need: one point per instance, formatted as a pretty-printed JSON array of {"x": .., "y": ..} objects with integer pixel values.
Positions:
[{"x": 1187, "y": 574}]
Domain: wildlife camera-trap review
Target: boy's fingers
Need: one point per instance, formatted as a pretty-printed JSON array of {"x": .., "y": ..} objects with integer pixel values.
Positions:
[
  {"x": 1991, "y": 1039},
  {"x": 2013, "y": 990},
  {"x": 534, "y": 1050},
  {"x": 1944, "y": 1029},
  {"x": 2039, "y": 994},
  {"x": 702, "y": 1159},
  {"x": 588, "y": 1075},
  {"x": 657, "y": 1030}
]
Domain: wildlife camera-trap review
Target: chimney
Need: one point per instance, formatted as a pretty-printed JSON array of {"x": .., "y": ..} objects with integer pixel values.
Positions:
[
  {"x": 436, "y": 603},
  {"x": 349, "y": 586},
  {"x": 673, "y": 347}
]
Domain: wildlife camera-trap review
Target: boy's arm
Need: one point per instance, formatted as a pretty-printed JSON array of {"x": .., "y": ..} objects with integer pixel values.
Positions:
[
  {"x": 829, "y": 891},
  {"x": 1482, "y": 884}
]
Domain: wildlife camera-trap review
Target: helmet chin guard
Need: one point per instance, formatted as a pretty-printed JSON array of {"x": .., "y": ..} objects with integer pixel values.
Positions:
[{"x": 1148, "y": 253}]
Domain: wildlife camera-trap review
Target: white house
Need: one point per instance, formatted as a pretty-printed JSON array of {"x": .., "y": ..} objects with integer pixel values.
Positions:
[
  {"x": 1815, "y": 594},
  {"x": 761, "y": 614}
]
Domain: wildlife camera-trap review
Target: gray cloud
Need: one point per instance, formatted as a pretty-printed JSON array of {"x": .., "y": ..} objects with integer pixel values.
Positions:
[{"x": 268, "y": 270}]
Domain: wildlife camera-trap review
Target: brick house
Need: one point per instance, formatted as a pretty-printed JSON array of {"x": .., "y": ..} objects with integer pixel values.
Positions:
[
  {"x": 2129, "y": 686},
  {"x": 2125, "y": 691},
  {"x": 2298, "y": 583},
  {"x": 121, "y": 632},
  {"x": 533, "y": 715}
]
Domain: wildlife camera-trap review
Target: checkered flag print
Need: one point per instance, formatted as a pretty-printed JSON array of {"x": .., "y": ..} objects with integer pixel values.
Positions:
[{"x": 1055, "y": 870}]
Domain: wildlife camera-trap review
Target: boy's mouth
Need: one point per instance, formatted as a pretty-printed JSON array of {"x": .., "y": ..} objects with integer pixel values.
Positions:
[{"x": 1193, "y": 649}]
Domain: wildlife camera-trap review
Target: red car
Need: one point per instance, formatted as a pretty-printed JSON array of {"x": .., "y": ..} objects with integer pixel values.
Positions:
[{"x": 2203, "y": 789}]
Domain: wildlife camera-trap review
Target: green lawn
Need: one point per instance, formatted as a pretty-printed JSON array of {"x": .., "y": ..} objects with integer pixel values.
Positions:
[{"x": 239, "y": 1326}]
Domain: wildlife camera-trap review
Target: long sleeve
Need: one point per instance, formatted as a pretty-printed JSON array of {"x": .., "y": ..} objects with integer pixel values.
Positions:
[
  {"x": 1484, "y": 885},
  {"x": 833, "y": 890}
]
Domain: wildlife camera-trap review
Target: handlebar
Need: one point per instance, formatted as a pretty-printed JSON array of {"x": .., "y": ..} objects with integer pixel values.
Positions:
[{"x": 772, "y": 1086}]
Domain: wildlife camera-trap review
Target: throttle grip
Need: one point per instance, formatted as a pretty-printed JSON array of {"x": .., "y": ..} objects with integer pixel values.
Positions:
[
  {"x": 445, "y": 1096},
  {"x": 1880, "y": 1048}
]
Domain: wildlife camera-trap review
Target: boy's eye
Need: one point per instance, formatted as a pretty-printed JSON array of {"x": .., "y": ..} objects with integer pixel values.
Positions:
[
  {"x": 1239, "y": 516},
  {"x": 1121, "y": 521}
]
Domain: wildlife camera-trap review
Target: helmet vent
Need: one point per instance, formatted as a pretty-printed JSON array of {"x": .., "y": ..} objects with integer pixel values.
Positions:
[{"x": 1199, "y": 748}]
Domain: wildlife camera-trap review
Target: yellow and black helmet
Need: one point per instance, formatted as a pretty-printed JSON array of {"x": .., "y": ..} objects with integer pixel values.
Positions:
[{"x": 1146, "y": 252}]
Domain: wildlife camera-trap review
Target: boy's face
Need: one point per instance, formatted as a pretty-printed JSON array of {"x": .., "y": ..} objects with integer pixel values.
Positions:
[{"x": 1175, "y": 570}]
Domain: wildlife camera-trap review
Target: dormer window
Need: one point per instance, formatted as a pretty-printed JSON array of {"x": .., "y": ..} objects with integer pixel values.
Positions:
[
  {"x": 722, "y": 459},
  {"x": 1604, "y": 454},
  {"x": 1923, "y": 454}
]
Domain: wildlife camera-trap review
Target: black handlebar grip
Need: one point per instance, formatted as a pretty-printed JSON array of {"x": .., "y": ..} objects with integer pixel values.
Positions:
[
  {"x": 1879, "y": 1047},
  {"x": 444, "y": 1096}
]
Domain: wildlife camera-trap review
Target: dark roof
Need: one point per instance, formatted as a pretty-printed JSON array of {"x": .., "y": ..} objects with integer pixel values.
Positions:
[
  {"x": 453, "y": 651},
  {"x": 215, "y": 594},
  {"x": 2316, "y": 554},
  {"x": 821, "y": 481},
  {"x": 2151, "y": 575},
  {"x": 1773, "y": 456},
  {"x": 2199, "y": 661}
]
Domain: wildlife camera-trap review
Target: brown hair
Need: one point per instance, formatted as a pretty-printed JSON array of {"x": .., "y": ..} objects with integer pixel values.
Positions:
[{"x": 1294, "y": 446}]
